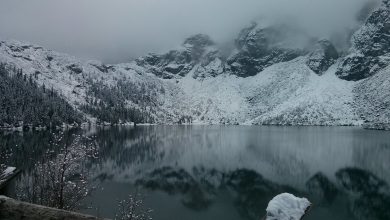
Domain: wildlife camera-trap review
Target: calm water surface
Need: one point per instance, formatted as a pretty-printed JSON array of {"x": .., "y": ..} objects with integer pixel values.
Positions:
[{"x": 231, "y": 173}]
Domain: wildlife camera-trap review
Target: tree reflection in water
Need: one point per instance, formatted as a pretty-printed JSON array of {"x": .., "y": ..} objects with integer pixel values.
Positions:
[{"x": 204, "y": 167}]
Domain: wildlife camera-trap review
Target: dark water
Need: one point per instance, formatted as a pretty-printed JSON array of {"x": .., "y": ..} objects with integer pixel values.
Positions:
[{"x": 231, "y": 173}]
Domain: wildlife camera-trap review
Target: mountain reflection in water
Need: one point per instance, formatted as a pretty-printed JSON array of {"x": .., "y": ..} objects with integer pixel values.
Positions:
[{"x": 217, "y": 172}]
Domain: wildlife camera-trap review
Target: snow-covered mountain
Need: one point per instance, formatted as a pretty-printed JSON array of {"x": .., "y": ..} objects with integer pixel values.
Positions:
[
  {"x": 275, "y": 75},
  {"x": 370, "y": 50}
]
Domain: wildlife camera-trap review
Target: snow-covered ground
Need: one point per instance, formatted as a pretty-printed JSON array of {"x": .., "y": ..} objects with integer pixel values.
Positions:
[
  {"x": 372, "y": 97},
  {"x": 287, "y": 93}
]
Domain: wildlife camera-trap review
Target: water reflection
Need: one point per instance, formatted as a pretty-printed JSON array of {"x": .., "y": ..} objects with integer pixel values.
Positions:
[
  {"x": 371, "y": 195},
  {"x": 214, "y": 172},
  {"x": 322, "y": 190},
  {"x": 23, "y": 149}
]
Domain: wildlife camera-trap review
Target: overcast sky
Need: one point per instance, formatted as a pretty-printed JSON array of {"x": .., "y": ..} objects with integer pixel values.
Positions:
[{"x": 118, "y": 30}]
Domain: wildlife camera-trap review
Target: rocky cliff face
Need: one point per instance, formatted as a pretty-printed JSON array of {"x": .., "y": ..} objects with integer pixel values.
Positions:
[
  {"x": 322, "y": 57},
  {"x": 372, "y": 98},
  {"x": 197, "y": 53},
  {"x": 260, "y": 46},
  {"x": 256, "y": 48},
  {"x": 370, "y": 50}
]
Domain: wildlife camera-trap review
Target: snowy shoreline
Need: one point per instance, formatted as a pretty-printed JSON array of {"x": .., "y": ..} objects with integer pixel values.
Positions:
[{"x": 382, "y": 127}]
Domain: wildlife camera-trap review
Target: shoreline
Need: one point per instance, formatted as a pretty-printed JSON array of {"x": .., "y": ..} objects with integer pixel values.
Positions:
[{"x": 377, "y": 127}]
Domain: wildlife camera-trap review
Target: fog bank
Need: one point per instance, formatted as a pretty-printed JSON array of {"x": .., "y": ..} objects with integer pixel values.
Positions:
[{"x": 118, "y": 30}]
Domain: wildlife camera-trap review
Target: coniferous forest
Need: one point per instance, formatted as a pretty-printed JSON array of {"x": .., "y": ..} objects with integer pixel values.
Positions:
[
  {"x": 110, "y": 103},
  {"x": 25, "y": 103}
]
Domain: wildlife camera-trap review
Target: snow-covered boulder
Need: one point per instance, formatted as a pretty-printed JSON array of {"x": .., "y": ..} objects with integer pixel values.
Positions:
[{"x": 287, "y": 207}]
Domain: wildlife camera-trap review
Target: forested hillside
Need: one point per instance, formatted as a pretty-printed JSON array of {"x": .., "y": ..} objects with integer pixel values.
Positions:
[
  {"x": 24, "y": 103},
  {"x": 112, "y": 104}
]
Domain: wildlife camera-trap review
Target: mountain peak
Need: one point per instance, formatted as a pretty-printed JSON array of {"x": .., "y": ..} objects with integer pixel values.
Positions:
[
  {"x": 261, "y": 45},
  {"x": 198, "y": 41},
  {"x": 370, "y": 50},
  {"x": 197, "y": 54}
]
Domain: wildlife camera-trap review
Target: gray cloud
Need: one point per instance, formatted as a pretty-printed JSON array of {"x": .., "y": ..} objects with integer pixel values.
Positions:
[{"x": 117, "y": 30}]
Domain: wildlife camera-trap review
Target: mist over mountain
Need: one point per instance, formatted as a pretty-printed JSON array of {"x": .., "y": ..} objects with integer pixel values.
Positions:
[{"x": 118, "y": 30}]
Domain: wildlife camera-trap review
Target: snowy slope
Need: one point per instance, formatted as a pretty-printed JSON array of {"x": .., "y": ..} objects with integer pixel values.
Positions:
[
  {"x": 69, "y": 76},
  {"x": 373, "y": 100},
  {"x": 288, "y": 93},
  {"x": 298, "y": 96},
  {"x": 285, "y": 94}
]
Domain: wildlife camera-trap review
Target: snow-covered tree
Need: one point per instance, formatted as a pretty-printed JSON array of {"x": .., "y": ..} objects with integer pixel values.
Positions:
[
  {"x": 133, "y": 208},
  {"x": 24, "y": 103},
  {"x": 60, "y": 179}
]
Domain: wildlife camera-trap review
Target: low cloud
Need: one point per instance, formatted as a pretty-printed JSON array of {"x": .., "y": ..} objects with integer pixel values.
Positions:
[{"x": 119, "y": 30}]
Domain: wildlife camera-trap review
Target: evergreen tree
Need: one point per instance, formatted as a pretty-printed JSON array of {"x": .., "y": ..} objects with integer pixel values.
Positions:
[{"x": 23, "y": 102}]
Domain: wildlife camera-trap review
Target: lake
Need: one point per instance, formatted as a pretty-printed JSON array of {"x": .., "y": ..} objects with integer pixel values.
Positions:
[{"x": 229, "y": 172}]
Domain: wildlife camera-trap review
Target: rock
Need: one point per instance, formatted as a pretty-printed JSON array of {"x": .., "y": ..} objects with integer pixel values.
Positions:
[
  {"x": 358, "y": 66},
  {"x": 322, "y": 57},
  {"x": 197, "y": 51},
  {"x": 210, "y": 65},
  {"x": 287, "y": 207},
  {"x": 372, "y": 100},
  {"x": 261, "y": 46},
  {"x": 257, "y": 47},
  {"x": 366, "y": 10},
  {"x": 15, "y": 210},
  {"x": 370, "y": 50},
  {"x": 198, "y": 41},
  {"x": 75, "y": 68},
  {"x": 104, "y": 68}
]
